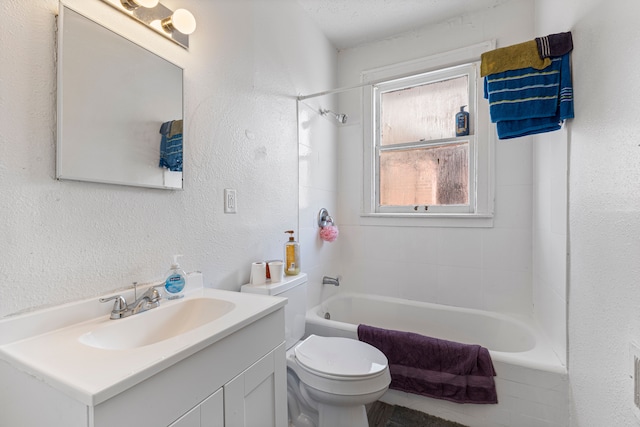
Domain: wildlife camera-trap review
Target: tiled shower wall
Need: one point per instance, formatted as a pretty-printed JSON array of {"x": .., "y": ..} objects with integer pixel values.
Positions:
[
  {"x": 514, "y": 266},
  {"x": 318, "y": 189},
  {"x": 488, "y": 268},
  {"x": 550, "y": 239}
]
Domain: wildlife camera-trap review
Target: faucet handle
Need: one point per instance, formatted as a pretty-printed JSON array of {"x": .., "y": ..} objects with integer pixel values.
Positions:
[
  {"x": 119, "y": 305},
  {"x": 153, "y": 294}
]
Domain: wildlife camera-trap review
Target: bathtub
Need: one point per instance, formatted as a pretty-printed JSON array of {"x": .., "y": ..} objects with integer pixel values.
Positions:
[{"x": 531, "y": 382}]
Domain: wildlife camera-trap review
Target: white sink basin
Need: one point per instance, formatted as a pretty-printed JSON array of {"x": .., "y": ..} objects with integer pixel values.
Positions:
[
  {"x": 157, "y": 324},
  {"x": 78, "y": 350}
]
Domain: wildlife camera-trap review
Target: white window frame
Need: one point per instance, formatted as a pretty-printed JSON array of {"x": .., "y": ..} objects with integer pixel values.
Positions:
[
  {"x": 481, "y": 139},
  {"x": 421, "y": 79}
]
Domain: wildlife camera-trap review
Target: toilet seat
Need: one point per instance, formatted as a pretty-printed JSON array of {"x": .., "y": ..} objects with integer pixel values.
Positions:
[
  {"x": 340, "y": 366},
  {"x": 340, "y": 358}
]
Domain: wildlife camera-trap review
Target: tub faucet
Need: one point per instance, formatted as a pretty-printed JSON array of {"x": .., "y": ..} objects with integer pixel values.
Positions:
[
  {"x": 335, "y": 281},
  {"x": 148, "y": 300}
]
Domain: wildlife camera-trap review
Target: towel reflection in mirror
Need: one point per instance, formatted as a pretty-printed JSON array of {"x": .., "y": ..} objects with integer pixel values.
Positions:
[{"x": 171, "y": 145}]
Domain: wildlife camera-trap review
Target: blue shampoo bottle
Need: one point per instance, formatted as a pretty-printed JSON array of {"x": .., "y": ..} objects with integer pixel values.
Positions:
[{"x": 462, "y": 122}]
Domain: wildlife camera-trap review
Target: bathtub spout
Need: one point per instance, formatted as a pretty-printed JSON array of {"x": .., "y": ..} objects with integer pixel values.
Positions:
[{"x": 335, "y": 281}]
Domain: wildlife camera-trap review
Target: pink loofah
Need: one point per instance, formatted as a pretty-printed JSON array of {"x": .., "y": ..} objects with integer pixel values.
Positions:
[{"x": 329, "y": 233}]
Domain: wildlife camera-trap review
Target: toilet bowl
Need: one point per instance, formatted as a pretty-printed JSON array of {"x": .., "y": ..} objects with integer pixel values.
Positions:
[
  {"x": 329, "y": 379},
  {"x": 334, "y": 378}
]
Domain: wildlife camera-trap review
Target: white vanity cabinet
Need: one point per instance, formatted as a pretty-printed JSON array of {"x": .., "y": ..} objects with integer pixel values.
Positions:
[
  {"x": 236, "y": 380},
  {"x": 252, "y": 358}
]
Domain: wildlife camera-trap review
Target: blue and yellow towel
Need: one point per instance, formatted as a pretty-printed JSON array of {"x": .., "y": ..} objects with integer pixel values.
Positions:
[
  {"x": 529, "y": 101},
  {"x": 171, "y": 145}
]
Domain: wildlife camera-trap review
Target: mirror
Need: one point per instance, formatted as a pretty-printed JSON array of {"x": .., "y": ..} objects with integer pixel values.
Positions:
[{"x": 114, "y": 99}]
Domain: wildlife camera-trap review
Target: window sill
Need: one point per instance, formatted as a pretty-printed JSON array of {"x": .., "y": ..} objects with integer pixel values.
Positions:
[{"x": 427, "y": 220}]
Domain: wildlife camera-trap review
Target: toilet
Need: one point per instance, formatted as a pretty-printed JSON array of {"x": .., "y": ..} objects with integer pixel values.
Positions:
[{"x": 329, "y": 379}]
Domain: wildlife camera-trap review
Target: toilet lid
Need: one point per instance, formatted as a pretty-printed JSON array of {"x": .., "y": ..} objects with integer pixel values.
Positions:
[{"x": 342, "y": 357}]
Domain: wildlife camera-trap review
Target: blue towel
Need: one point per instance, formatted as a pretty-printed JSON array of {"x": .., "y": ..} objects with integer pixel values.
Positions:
[
  {"x": 529, "y": 101},
  {"x": 170, "y": 147}
]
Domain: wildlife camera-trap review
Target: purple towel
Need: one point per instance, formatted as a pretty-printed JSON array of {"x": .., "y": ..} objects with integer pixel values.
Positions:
[
  {"x": 436, "y": 368},
  {"x": 554, "y": 45}
]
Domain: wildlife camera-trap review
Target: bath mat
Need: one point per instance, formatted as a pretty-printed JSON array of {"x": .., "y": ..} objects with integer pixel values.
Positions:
[{"x": 381, "y": 414}]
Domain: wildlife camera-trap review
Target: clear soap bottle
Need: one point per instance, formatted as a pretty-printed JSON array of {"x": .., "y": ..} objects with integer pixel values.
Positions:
[
  {"x": 291, "y": 256},
  {"x": 175, "y": 280}
]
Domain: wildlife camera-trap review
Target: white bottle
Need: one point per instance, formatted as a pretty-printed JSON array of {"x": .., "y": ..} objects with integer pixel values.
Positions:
[{"x": 175, "y": 280}]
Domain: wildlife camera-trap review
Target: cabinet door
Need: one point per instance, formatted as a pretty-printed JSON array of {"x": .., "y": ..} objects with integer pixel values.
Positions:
[
  {"x": 210, "y": 413},
  {"x": 212, "y": 410},
  {"x": 190, "y": 419},
  {"x": 258, "y": 396}
]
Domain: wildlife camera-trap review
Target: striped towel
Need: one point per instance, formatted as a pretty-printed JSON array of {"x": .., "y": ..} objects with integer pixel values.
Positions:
[
  {"x": 528, "y": 101},
  {"x": 554, "y": 44},
  {"x": 171, "y": 145}
]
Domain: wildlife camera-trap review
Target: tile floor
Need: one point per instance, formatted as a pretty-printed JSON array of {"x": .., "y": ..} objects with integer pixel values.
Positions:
[{"x": 383, "y": 415}]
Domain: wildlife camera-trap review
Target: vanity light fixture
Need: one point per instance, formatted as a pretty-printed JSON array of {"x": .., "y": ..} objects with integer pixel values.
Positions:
[
  {"x": 176, "y": 26},
  {"x": 134, "y": 4},
  {"x": 181, "y": 20}
]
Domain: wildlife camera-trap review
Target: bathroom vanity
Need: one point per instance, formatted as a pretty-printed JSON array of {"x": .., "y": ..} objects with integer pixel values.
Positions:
[{"x": 213, "y": 358}]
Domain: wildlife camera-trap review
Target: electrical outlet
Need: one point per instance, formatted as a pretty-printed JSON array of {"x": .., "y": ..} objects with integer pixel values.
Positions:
[{"x": 230, "y": 200}]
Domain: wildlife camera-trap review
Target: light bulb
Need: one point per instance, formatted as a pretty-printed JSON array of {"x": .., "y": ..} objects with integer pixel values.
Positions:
[
  {"x": 147, "y": 3},
  {"x": 181, "y": 20},
  {"x": 134, "y": 4}
]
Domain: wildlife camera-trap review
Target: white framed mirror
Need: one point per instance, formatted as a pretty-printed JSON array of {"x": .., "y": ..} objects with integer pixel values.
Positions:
[{"x": 113, "y": 98}]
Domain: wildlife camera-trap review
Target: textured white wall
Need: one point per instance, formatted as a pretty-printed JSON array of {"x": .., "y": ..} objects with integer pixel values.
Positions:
[
  {"x": 63, "y": 241},
  {"x": 487, "y": 268},
  {"x": 604, "y": 200}
]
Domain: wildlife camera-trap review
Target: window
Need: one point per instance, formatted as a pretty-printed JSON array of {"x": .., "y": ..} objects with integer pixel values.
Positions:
[
  {"x": 415, "y": 165},
  {"x": 420, "y": 163}
]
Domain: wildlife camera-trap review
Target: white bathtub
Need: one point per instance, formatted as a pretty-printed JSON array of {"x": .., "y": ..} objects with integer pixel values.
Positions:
[{"x": 532, "y": 385}]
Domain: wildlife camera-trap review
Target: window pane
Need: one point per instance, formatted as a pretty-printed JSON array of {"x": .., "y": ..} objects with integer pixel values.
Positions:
[
  {"x": 422, "y": 113},
  {"x": 437, "y": 175}
]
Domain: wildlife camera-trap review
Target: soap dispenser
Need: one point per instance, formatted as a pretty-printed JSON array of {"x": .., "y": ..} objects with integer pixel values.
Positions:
[
  {"x": 175, "y": 280},
  {"x": 291, "y": 256}
]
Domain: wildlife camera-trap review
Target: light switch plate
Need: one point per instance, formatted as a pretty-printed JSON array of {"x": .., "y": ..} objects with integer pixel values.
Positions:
[{"x": 230, "y": 200}]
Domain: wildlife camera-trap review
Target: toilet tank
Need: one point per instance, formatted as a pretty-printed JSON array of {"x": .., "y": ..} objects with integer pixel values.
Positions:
[{"x": 294, "y": 288}]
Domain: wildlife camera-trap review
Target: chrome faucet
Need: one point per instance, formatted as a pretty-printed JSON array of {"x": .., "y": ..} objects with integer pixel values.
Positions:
[
  {"x": 335, "y": 281},
  {"x": 150, "y": 299}
]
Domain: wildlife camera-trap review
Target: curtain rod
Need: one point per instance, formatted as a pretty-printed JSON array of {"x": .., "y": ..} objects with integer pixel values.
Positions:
[
  {"x": 358, "y": 86},
  {"x": 453, "y": 59},
  {"x": 337, "y": 90}
]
